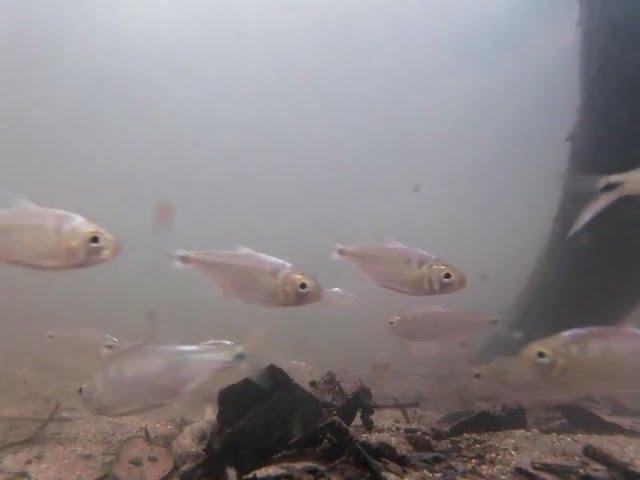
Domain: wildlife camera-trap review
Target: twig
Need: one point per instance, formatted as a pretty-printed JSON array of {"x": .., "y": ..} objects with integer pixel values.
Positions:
[
  {"x": 386, "y": 406},
  {"x": 403, "y": 410},
  {"x": 17, "y": 418},
  {"x": 605, "y": 458},
  {"x": 37, "y": 431}
]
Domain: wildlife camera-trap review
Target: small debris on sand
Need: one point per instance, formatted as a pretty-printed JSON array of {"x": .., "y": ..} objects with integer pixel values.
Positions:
[{"x": 139, "y": 459}]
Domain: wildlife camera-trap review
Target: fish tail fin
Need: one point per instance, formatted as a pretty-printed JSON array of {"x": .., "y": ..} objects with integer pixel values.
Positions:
[
  {"x": 607, "y": 183},
  {"x": 339, "y": 252},
  {"x": 180, "y": 257},
  {"x": 595, "y": 206}
]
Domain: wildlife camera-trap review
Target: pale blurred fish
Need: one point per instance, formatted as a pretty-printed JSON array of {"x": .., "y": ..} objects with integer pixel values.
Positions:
[
  {"x": 589, "y": 360},
  {"x": 403, "y": 269},
  {"x": 508, "y": 379},
  {"x": 46, "y": 238},
  {"x": 610, "y": 188},
  {"x": 433, "y": 322},
  {"x": 82, "y": 344},
  {"x": 258, "y": 278},
  {"x": 164, "y": 213},
  {"x": 53, "y": 364},
  {"x": 145, "y": 376}
]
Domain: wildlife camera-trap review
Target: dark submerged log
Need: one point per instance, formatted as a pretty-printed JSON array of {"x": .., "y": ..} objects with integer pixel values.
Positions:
[{"x": 593, "y": 278}]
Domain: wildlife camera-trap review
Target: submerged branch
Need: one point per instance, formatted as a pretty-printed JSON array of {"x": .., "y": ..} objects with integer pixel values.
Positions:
[{"x": 37, "y": 431}]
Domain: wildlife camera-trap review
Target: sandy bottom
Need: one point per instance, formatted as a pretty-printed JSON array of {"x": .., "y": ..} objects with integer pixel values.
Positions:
[{"x": 80, "y": 446}]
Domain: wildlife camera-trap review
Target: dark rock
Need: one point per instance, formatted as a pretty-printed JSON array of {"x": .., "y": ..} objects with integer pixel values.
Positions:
[
  {"x": 558, "y": 469},
  {"x": 236, "y": 400},
  {"x": 427, "y": 458},
  {"x": 384, "y": 451},
  {"x": 258, "y": 419},
  {"x": 507, "y": 418},
  {"x": 456, "y": 416},
  {"x": 419, "y": 442},
  {"x": 526, "y": 473},
  {"x": 619, "y": 468},
  {"x": 583, "y": 419}
]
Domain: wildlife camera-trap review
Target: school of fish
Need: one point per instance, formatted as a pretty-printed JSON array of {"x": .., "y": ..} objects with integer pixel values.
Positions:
[{"x": 135, "y": 377}]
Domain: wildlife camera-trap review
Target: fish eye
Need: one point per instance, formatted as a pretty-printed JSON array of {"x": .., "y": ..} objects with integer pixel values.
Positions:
[
  {"x": 80, "y": 390},
  {"x": 543, "y": 355},
  {"x": 303, "y": 286},
  {"x": 477, "y": 375},
  {"x": 392, "y": 322},
  {"x": 94, "y": 239},
  {"x": 447, "y": 275}
]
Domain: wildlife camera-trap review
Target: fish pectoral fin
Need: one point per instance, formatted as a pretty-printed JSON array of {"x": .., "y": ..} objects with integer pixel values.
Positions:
[
  {"x": 339, "y": 297},
  {"x": 592, "y": 209}
]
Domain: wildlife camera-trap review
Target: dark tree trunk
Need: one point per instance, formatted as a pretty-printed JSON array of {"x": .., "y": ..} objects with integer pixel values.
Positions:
[{"x": 593, "y": 278}]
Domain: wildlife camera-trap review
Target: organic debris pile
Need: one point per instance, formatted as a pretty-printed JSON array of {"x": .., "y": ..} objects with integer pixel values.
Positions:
[
  {"x": 270, "y": 427},
  {"x": 271, "y": 419}
]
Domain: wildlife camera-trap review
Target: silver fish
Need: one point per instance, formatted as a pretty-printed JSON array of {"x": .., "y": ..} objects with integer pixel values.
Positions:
[
  {"x": 587, "y": 360},
  {"x": 403, "y": 269},
  {"x": 82, "y": 343},
  {"x": 46, "y": 238},
  {"x": 145, "y": 376},
  {"x": 433, "y": 322},
  {"x": 610, "y": 188},
  {"x": 509, "y": 379},
  {"x": 258, "y": 278}
]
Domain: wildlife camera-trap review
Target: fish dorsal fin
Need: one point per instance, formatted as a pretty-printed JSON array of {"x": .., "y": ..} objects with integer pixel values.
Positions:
[
  {"x": 390, "y": 242},
  {"x": 243, "y": 249},
  {"x": 276, "y": 264},
  {"x": 218, "y": 343},
  {"x": 21, "y": 203}
]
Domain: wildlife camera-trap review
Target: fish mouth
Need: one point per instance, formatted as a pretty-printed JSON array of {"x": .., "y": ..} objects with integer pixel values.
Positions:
[
  {"x": 112, "y": 249},
  {"x": 116, "y": 246}
]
